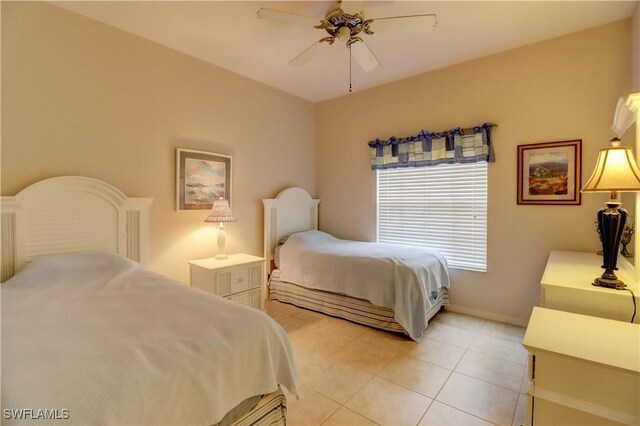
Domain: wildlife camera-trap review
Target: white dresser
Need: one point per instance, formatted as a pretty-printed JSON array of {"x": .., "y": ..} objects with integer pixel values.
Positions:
[
  {"x": 240, "y": 278},
  {"x": 566, "y": 286},
  {"x": 584, "y": 370}
]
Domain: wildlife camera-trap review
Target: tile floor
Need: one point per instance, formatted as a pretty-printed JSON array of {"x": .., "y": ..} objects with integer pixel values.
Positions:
[{"x": 465, "y": 371}]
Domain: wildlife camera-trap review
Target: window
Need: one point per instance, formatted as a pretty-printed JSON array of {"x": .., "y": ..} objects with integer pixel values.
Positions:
[{"x": 442, "y": 207}]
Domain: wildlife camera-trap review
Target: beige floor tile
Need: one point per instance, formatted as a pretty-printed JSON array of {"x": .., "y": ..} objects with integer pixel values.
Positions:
[
  {"x": 448, "y": 334},
  {"x": 458, "y": 320},
  {"x": 365, "y": 356},
  {"x": 493, "y": 370},
  {"x": 307, "y": 362},
  {"x": 387, "y": 339},
  {"x": 311, "y": 409},
  {"x": 503, "y": 331},
  {"x": 277, "y": 315},
  {"x": 417, "y": 375},
  {"x": 520, "y": 418},
  {"x": 345, "y": 327},
  {"x": 293, "y": 326},
  {"x": 320, "y": 341},
  {"x": 442, "y": 415},
  {"x": 489, "y": 402},
  {"x": 500, "y": 348},
  {"x": 346, "y": 417},
  {"x": 312, "y": 317},
  {"x": 435, "y": 352},
  {"x": 334, "y": 379},
  {"x": 386, "y": 403},
  {"x": 271, "y": 306}
]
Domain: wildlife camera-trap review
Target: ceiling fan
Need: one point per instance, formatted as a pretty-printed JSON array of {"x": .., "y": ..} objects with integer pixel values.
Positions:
[{"x": 345, "y": 21}]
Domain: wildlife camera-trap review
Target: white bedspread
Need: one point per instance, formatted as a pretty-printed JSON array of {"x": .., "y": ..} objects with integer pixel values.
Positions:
[
  {"x": 397, "y": 277},
  {"x": 113, "y": 343}
]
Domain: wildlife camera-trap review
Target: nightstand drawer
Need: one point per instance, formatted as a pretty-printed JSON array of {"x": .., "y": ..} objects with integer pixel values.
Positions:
[
  {"x": 233, "y": 281},
  {"x": 249, "y": 298}
]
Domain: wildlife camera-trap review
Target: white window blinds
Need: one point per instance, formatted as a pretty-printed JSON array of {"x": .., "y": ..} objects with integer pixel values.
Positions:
[{"x": 442, "y": 207}]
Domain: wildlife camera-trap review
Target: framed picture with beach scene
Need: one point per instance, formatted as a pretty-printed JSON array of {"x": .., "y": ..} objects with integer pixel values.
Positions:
[
  {"x": 201, "y": 177},
  {"x": 550, "y": 173}
]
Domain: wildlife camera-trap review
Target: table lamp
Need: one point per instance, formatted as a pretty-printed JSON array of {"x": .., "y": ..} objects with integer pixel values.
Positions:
[
  {"x": 221, "y": 213},
  {"x": 616, "y": 171}
]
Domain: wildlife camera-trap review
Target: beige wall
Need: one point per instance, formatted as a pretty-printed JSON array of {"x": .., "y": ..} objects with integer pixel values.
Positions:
[
  {"x": 565, "y": 88},
  {"x": 82, "y": 98}
]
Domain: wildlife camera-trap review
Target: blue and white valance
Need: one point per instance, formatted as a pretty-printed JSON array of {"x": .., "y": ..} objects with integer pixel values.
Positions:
[{"x": 427, "y": 148}]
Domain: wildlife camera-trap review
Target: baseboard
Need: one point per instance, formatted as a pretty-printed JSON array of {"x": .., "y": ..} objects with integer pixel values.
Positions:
[{"x": 488, "y": 315}]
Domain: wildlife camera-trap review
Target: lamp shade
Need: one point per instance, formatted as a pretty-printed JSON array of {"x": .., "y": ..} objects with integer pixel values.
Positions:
[
  {"x": 220, "y": 212},
  {"x": 616, "y": 170}
]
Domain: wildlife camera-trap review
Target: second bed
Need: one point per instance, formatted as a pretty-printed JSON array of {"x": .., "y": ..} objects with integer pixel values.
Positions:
[{"x": 385, "y": 286}]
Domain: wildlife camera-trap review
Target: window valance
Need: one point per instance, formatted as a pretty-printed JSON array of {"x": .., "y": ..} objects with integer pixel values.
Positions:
[{"x": 430, "y": 148}]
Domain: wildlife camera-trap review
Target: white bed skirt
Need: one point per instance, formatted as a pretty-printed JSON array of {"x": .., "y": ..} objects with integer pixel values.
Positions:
[
  {"x": 342, "y": 306},
  {"x": 271, "y": 410}
]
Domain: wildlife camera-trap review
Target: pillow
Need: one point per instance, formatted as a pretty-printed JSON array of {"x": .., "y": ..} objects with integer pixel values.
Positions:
[
  {"x": 284, "y": 239},
  {"x": 276, "y": 256},
  {"x": 67, "y": 268},
  {"x": 276, "y": 252}
]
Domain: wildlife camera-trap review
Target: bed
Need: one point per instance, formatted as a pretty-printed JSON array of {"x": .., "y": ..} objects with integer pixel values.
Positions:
[
  {"x": 90, "y": 336},
  {"x": 386, "y": 286}
]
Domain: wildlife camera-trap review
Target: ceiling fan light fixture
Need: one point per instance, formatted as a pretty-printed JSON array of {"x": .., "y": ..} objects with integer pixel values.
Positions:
[
  {"x": 345, "y": 21},
  {"x": 343, "y": 33}
]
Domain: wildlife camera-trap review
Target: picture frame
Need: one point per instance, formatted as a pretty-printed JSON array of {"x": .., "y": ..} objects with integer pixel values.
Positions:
[
  {"x": 201, "y": 177},
  {"x": 550, "y": 173}
]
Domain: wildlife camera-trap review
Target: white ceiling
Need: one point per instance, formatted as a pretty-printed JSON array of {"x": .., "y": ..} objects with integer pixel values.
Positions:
[{"x": 228, "y": 34}]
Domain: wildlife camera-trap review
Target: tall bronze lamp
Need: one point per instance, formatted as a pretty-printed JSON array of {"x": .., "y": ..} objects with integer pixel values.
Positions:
[{"x": 616, "y": 171}]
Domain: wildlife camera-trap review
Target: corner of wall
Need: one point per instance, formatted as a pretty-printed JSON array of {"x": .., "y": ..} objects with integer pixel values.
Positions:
[{"x": 635, "y": 49}]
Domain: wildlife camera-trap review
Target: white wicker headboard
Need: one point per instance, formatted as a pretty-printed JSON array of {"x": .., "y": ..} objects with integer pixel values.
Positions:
[
  {"x": 70, "y": 214},
  {"x": 293, "y": 210}
]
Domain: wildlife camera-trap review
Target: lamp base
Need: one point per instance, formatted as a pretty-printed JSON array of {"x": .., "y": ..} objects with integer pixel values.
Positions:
[
  {"x": 609, "y": 283},
  {"x": 611, "y": 220},
  {"x": 221, "y": 239}
]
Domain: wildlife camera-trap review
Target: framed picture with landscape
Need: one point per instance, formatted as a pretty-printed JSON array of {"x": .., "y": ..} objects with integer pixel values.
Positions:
[
  {"x": 201, "y": 177},
  {"x": 549, "y": 173}
]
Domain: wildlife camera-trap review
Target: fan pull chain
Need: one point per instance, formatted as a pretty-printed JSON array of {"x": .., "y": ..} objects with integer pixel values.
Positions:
[{"x": 349, "y": 69}]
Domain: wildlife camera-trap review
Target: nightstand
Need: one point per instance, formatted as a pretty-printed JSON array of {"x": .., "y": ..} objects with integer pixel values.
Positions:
[{"x": 239, "y": 278}]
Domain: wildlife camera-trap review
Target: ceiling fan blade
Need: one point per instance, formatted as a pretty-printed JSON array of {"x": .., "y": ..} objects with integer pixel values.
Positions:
[
  {"x": 352, "y": 6},
  {"x": 623, "y": 118},
  {"x": 416, "y": 23},
  {"x": 282, "y": 16},
  {"x": 308, "y": 54},
  {"x": 364, "y": 56}
]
